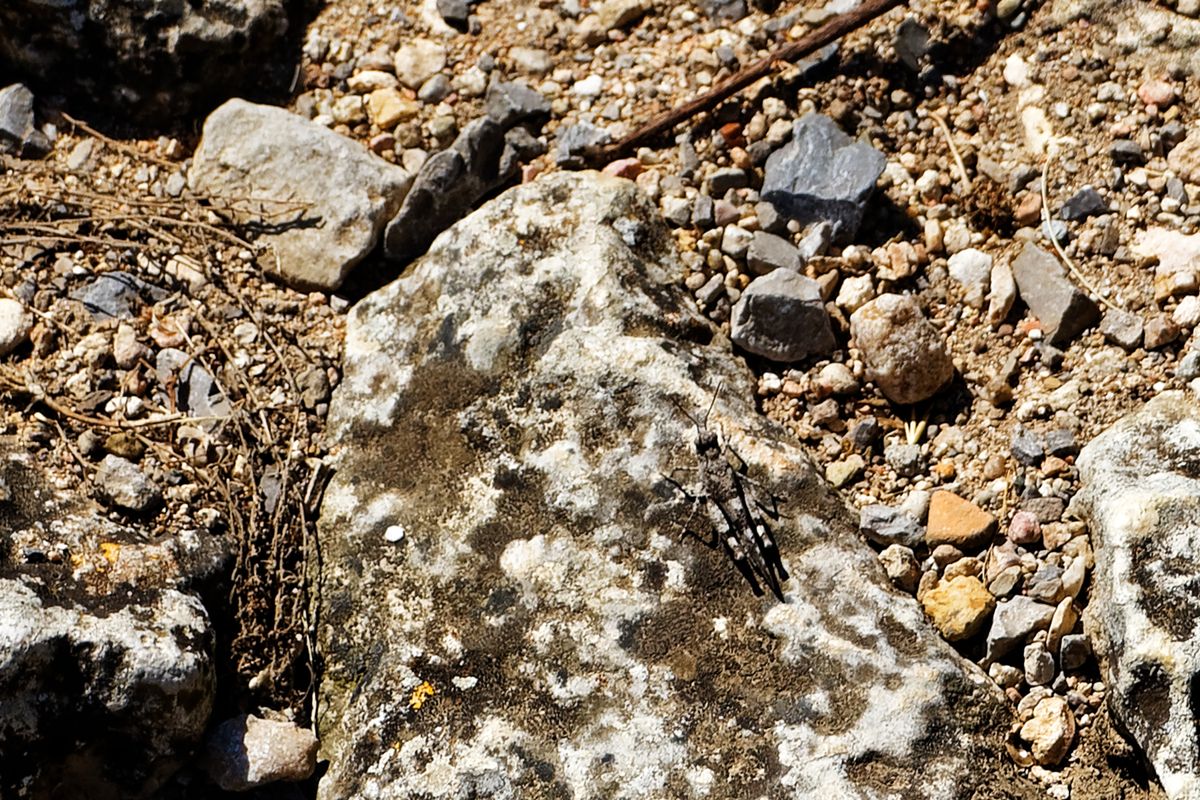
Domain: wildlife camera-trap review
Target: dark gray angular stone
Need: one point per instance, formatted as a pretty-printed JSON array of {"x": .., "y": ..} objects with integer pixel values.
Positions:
[
  {"x": 781, "y": 316},
  {"x": 704, "y": 212},
  {"x": 1061, "y": 442},
  {"x": 823, "y": 174},
  {"x": 726, "y": 10},
  {"x": 194, "y": 389},
  {"x": 455, "y": 12},
  {"x": 1123, "y": 329},
  {"x": 885, "y": 525},
  {"x": 117, "y": 295},
  {"x": 447, "y": 188},
  {"x": 18, "y": 133},
  {"x": 865, "y": 433},
  {"x": 912, "y": 43},
  {"x": 510, "y": 103},
  {"x": 1063, "y": 310},
  {"x": 1027, "y": 447},
  {"x": 577, "y": 140},
  {"x": 769, "y": 252},
  {"x": 1127, "y": 152},
  {"x": 1074, "y": 651},
  {"x": 1045, "y": 584},
  {"x": 1085, "y": 203},
  {"x": 769, "y": 218},
  {"x": 520, "y": 146},
  {"x": 725, "y": 179}
]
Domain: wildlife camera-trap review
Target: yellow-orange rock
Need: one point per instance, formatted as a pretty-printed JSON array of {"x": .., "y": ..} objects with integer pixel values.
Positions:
[{"x": 959, "y": 607}]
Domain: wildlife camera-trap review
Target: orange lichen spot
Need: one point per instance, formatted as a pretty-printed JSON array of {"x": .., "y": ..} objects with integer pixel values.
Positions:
[
  {"x": 111, "y": 551},
  {"x": 420, "y": 695}
]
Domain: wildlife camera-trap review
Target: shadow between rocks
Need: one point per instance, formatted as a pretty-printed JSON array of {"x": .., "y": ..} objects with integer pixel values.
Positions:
[{"x": 136, "y": 72}]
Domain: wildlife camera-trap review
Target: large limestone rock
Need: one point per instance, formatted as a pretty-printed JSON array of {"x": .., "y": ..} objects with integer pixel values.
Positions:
[
  {"x": 150, "y": 59},
  {"x": 1141, "y": 499},
  {"x": 508, "y": 605},
  {"x": 106, "y": 652},
  {"x": 329, "y": 197}
]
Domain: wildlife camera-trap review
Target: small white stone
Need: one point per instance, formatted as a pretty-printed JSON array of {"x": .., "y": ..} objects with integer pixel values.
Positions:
[
  {"x": 591, "y": 86},
  {"x": 15, "y": 324},
  {"x": 394, "y": 533},
  {"x": 973, "y": 269},
  {"x": 855, "y": 292},
  {"x": 1187, "y": 314}
]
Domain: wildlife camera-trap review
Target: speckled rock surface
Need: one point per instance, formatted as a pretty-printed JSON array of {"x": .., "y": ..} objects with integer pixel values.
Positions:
[
  {"x": 1140, "y": 493},
  {"x": 508, "y": 607},
  {"x": 106, "y": 651}
]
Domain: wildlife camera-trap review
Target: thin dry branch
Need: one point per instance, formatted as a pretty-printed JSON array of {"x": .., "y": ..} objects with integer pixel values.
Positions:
[{"x": 831, "y": 31}]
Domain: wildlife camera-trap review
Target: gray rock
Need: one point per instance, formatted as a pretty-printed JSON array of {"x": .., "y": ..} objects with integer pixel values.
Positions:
[
  {"x": 106, "y": 652},
  {"x": 121, "y": 484},
  {"x": 1061, "y": 442},
  {"x": 1074, "y": 651},
  {"x": 730, "y": 10},
  {"x": 1045, "y": 584},
  {"x": 912, "y": 43},
  {"x": 1013, "y": 621},
  {"x": 1027, "y": 447},
  {"x": 15, "y": 324},
  {"x": 195, "y": 391},
  {"x": 1046, "y": 509},
  {"x": 904, "y": 354},
  {"x": 454, "y": 12},
  {"x": 769, "y": 252},
  {"x": 1127, "y": 152},
  {"x": 435, "y": 89},
  {"x": 578, "y": 140},
  {"x": 1189, "y": 366},
  {"x": 247, "y": 751},
  {"x": 703, "y": 212},
  {"x": 336, "y": 195},
  {"x": 1039, "y": 665},
  {"x": 885, "y": 525},
  {"x": 1138, "y": 496},
  {"x": 1122, "y": 328},
  {"x": 769, "y": 218},
  {"x": 1085, "y": 203},
  {"x": 117, "y": 295},
  {"x": 904, "y": 458},
  {"x": 823, "y": 174},
  {"x": 153, "y": 60},
  {"x": 816, "y": 241},
  {"x": 18, "y": 132},
  {"x": 546, "y": 375},
  {"x": 781, "y": 316},
  {"x": 510, "y": 103},
  {"x": 1063, "y": 310},
  {"x": 724, "y": 179},
  {"x": 448, "y": 186}
]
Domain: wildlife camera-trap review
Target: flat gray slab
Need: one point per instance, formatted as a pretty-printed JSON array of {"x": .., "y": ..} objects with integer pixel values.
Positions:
[{"x": 509, "y": 605}]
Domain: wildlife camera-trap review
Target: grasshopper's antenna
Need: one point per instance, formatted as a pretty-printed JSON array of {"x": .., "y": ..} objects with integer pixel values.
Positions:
[{"x": 712, "y": 404}]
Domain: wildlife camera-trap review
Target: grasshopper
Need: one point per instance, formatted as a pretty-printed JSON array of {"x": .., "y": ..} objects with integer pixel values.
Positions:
[{"x": 747, "y": 537}]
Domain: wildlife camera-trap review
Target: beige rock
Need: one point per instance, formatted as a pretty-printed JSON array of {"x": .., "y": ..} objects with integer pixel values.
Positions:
[
  {"x": 1184, "y": 158},
  {"x": 388, "y": 107},
  {"x": 1050, "y": 731},
  {"x": 905, "y": 355},
  {"x": 959, "y": 607},
  {"x": 418, "y": 61},
  {"x": 953, "y": 520},
  {"x": 1062, "y": 623}
]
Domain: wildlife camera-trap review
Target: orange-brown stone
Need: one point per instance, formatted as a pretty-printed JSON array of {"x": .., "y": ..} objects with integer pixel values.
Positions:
[{"x": 953, "y": 520}]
